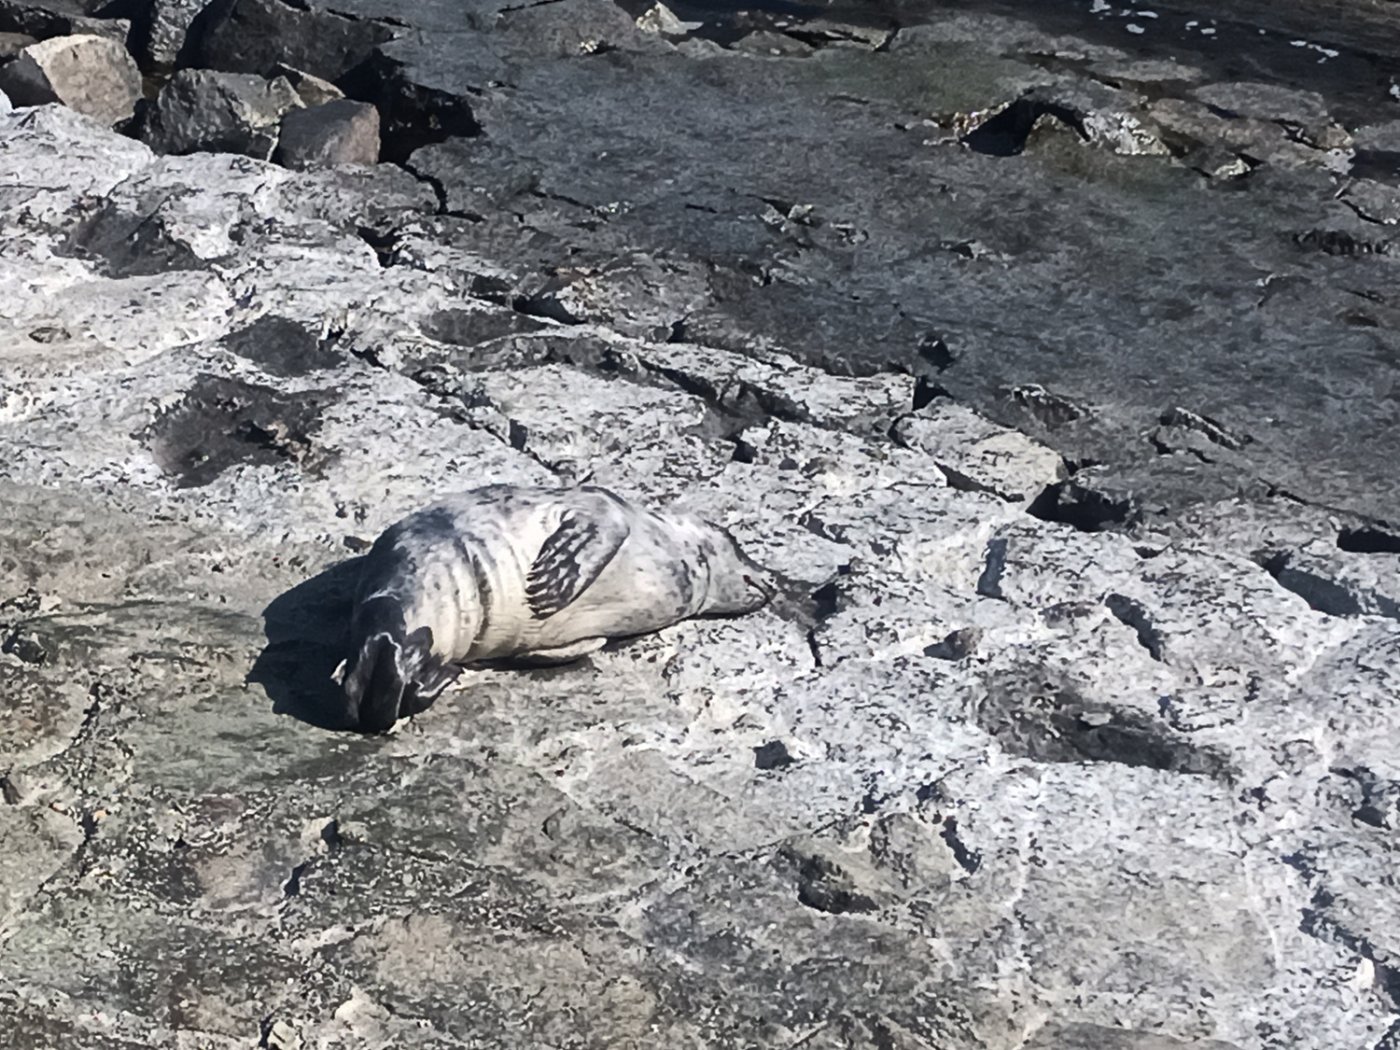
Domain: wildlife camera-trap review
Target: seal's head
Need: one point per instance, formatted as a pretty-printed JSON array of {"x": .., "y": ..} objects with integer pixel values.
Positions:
[
  {"x": 737, "y": 584},
  {"x": 392, "y": 673}
]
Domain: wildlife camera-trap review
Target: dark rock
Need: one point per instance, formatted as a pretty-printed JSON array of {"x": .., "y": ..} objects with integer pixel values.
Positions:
[
  {"x": 337, "y": 132},
  {"x": 256, "y": 36},
  {"x": 90, "y": 74},
  {"x": 281, "y": 347},
  {"x": 772, "y": 755},
  {"x": 161, "y": 35},
  {"x": 220, "y": 112},
  {"x": 49, "y": 18}
]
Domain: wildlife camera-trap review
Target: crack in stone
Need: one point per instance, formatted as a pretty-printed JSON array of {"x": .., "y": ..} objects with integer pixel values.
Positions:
[{"x": 1132, "y": 614}]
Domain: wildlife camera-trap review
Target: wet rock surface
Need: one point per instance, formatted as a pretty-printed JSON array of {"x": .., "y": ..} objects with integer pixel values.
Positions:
[{"x": 1049, "y": 359}]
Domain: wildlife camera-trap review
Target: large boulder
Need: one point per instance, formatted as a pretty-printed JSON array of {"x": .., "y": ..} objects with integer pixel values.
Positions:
[
  {"x": 337, "y": 132},
  {"x": 91, "y": 74},
  {"x": 200, "y": 109}
]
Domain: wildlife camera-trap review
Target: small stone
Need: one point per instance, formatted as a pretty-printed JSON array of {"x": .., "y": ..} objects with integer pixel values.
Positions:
[
  {"x": 282, "y": 1036},
  {"x": 338, "y": 132},
  {"x": 90, "y": 74},
  {"x": 661, "y": 19},
  {"x": 311, "y": 89},
  {"x": 201, "y": 110}
]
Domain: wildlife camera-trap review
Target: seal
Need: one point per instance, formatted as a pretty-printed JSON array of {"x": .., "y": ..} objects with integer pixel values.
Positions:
[{"x": 548, "y": 574}]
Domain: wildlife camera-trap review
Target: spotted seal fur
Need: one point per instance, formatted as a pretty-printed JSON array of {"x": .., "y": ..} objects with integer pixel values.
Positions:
[{"x": 545, "y": 573}]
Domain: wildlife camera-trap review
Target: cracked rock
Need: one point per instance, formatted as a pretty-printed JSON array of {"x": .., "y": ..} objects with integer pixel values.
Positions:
[
  {"x": 90, "y": 74},
  {"x": 976, "y": 455}
]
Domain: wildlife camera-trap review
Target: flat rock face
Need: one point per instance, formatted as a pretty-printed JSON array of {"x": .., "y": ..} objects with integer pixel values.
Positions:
[{"x": 1049, "y": 372}]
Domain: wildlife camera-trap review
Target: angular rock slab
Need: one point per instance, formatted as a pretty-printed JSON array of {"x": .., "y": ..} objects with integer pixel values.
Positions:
[{"x": 91, "y": 74}]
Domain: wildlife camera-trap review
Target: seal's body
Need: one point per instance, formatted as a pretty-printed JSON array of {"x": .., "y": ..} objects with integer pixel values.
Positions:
[{"x": 544, "y": 573}]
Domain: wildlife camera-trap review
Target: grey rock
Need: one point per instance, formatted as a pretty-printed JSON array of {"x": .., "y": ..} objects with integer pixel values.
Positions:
[
  {"x": 5, "y": 104},
  {"x": 977, "y": 456},
  {"x": 1264, "y": 101},
  {"x": 220, "y": 112},
  {"x": 92, "y": 75},
  {"x": 329, "y": 134}
]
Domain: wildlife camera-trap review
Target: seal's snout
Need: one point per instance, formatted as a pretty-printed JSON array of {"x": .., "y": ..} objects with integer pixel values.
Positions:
[{"x": 376, "y": 683}]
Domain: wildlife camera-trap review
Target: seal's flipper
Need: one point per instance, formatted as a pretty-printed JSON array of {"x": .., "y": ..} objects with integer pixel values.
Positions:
[
  {"x": 570, "y": 560},
  {"x": 431, "y": 681}
]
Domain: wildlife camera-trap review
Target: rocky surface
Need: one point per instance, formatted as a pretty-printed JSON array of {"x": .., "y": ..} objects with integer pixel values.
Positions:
[{"x": 1051, "y": 366}]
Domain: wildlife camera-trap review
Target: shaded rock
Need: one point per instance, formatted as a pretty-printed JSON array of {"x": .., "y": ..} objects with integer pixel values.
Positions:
[
  {"x": 12, "y": 44},
  {"x": 219, "y": 112},
  {"x": 50, "y": 18},
  {"x": 90, "y": 74},
  {"x": 255, "y": 36},
  {"x": 337, "y": 132},
  {"x": 162, "y": 34}
]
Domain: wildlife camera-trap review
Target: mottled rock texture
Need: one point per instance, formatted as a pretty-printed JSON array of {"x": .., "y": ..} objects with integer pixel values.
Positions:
[
  {"x": 201, "y": 110},
  {"x": 1053, "y": 373},
  {"x": 90, "y": 74}
]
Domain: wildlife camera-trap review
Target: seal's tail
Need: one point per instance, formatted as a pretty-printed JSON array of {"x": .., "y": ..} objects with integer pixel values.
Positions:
[{"x": 392, "y": 672}]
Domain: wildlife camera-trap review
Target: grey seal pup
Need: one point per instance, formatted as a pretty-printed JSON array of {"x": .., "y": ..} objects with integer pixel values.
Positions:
[{"x": 545, "y": 573}]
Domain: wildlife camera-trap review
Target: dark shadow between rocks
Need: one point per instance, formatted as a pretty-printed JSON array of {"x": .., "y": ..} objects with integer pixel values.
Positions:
[{"x": 307, "y": 631}]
